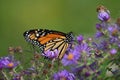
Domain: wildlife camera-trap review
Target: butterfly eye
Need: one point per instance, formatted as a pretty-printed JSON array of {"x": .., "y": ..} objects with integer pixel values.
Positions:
[{"x": 70, "y": 37}]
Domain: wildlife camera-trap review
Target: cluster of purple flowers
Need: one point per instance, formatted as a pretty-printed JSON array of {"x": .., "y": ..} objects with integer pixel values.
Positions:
[
  {"x": 108, "y": 43},
  {"x": 87, "y": 59}
]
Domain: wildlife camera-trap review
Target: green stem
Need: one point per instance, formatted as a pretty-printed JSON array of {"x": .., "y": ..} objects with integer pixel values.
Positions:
[
  {"x": 20, "y": 66},
  {"x": 5, "y": 75}
]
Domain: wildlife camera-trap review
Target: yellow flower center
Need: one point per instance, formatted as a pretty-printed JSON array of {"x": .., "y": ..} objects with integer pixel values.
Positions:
[
  {"x": 70, "y": 56},
  {"x": 63, "y": 78},
  {"x": 10, "y": 64}
]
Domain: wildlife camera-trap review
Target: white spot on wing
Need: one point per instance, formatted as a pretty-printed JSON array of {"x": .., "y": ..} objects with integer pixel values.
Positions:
[{"x": 37, "y": 35}]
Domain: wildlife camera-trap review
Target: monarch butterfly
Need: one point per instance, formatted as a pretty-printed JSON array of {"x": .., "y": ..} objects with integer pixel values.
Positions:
[{"x": 49, "y": 40}]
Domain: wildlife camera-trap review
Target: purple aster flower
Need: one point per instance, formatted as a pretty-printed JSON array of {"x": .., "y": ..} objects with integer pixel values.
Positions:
[
  {"x": 71, "y": 58},
  {"x": 8, "y": 62},
  {"x": 51, "y": 54},
  {"x": 103, "y": 16},
  {"x": 84, "y": 48},
  {"x": 98, "y": 34},
  {"x": 112, "y": 30},
  {"x": 103, "y": 45},
  {"x": 98, "y": 26},
  {"x": 97, "y": 47},
  {"x": 63, "y": 75},
  {"x": 80, "y": 38},
  {"x": 104, "y": 25},
  {"x": 113, "y": 39},
  {"x": 113, "y": 51}
]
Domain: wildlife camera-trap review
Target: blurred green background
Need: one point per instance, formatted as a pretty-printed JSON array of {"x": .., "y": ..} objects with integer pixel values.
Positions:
[{"x": 78, "y": 16}]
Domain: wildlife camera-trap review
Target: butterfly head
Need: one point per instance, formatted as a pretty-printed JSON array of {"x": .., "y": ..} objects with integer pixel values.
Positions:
[{"x": 70, "y": 37}]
